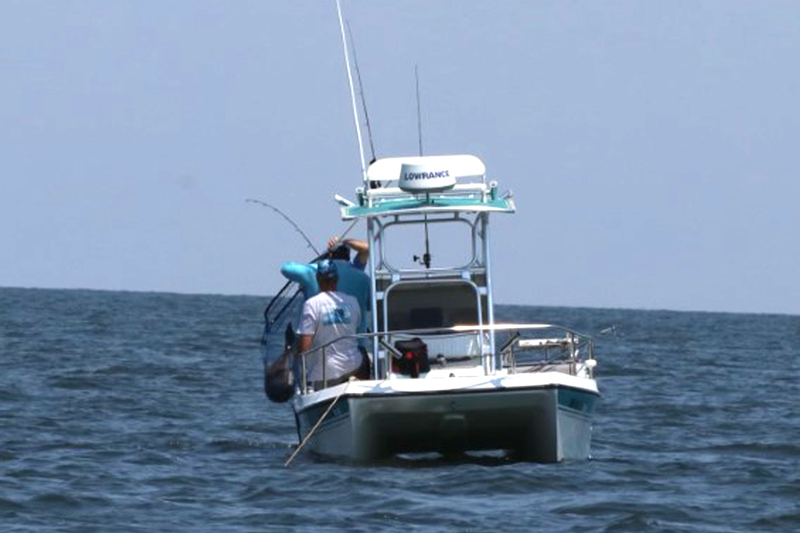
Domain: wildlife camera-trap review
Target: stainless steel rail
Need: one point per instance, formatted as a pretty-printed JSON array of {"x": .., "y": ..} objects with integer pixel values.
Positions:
[{"x": 572, "y": 349}]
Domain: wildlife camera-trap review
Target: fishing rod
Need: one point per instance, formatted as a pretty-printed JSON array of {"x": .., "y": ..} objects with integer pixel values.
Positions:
[
  {"x": 274, "y": 301},
  {"x": 361, "y": 94},
  {"x": 288, "y": 284},
  {"x": 288, "y": 219},
  {"x": 419, "y": 111},
  {"x": 352, "y": 91},
  {"x": 426, "y": 257},
  {"x": 308, "y": 241}
]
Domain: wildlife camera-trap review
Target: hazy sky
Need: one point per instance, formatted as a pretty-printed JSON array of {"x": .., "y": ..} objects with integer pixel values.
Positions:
[{"x": 653, "y": 146}]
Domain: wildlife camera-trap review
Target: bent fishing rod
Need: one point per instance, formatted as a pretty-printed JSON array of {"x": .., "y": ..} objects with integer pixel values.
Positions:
[
  {"x": 318, "y": 257},
  {"x": 287, "y": 219},
  {"x": 291, "y": 300}
]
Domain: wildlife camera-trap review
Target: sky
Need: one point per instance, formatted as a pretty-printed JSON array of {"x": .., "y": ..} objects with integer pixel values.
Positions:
[{"x": 652, "y": 147}]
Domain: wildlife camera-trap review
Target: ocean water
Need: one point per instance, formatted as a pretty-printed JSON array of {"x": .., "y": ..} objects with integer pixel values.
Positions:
[{"x": 145, "y": 412}]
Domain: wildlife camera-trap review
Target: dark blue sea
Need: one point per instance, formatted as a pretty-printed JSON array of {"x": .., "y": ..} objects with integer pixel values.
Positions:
[{"x": 145, "y": 412}]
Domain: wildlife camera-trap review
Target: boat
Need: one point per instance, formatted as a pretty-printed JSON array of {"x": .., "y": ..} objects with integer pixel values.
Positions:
[{"x": 446, "y": 377}]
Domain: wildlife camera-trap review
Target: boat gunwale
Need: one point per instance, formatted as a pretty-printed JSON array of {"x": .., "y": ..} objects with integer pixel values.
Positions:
[{"x": 316, "y": 402}]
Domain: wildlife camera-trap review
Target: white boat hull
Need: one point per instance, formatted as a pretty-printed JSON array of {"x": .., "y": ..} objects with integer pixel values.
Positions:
[{"x": 542, "y": 422}]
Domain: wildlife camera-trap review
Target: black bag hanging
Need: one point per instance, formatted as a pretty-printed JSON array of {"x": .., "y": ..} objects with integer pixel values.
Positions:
[{"x": 279, "y": 378}]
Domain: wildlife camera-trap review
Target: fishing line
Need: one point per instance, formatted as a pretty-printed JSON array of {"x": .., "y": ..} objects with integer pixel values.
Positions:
[{"x": 310, "y": 433}]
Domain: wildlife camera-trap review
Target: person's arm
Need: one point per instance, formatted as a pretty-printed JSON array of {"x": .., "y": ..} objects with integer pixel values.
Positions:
[
  {"x": 304, "y": 344},
  {"x": 305, "y": 275},
  {"x": 360, "y": 247},
  {"x": 357, "y": 245},
  {"x": 297, "y": 272},
  {"x": 308, "y": 325}
]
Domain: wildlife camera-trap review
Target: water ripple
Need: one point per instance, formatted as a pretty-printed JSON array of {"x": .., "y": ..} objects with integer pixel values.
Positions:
[{"x": 141, "y": 412}]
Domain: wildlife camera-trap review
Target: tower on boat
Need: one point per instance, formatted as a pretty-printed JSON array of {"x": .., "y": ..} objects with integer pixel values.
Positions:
[{"x": 431, "y": 191}]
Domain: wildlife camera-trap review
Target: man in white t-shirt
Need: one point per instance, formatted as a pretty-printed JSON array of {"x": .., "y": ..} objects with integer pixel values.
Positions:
[{"x": 328, "y": 316}]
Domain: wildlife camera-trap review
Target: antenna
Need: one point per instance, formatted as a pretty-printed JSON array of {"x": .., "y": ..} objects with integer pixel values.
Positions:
[
  {"x": 419, "y": 110},
  {"x": 361, "y": 93},
  {"x": 426, "y": 257},
  {"x": 352, "y": 91}
]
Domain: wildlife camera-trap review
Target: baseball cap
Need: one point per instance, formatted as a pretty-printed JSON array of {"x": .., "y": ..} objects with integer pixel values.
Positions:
[{"x": 327, "y": 269}]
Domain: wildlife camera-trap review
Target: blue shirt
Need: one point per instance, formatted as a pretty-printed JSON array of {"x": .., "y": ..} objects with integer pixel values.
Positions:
[{"x": 356, "y": 263}]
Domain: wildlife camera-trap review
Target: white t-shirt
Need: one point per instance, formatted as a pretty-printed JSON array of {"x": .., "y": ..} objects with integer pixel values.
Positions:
[{"x": 329, "y": 316}]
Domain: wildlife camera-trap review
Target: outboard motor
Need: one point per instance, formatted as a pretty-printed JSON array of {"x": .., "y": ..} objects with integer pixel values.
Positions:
[{"x": 413, "y": 360}]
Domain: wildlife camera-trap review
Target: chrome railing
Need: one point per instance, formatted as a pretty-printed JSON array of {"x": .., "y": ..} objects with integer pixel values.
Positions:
[
  {"x": 569, "y": 351},
  {"x": 527, "y": 348}
]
